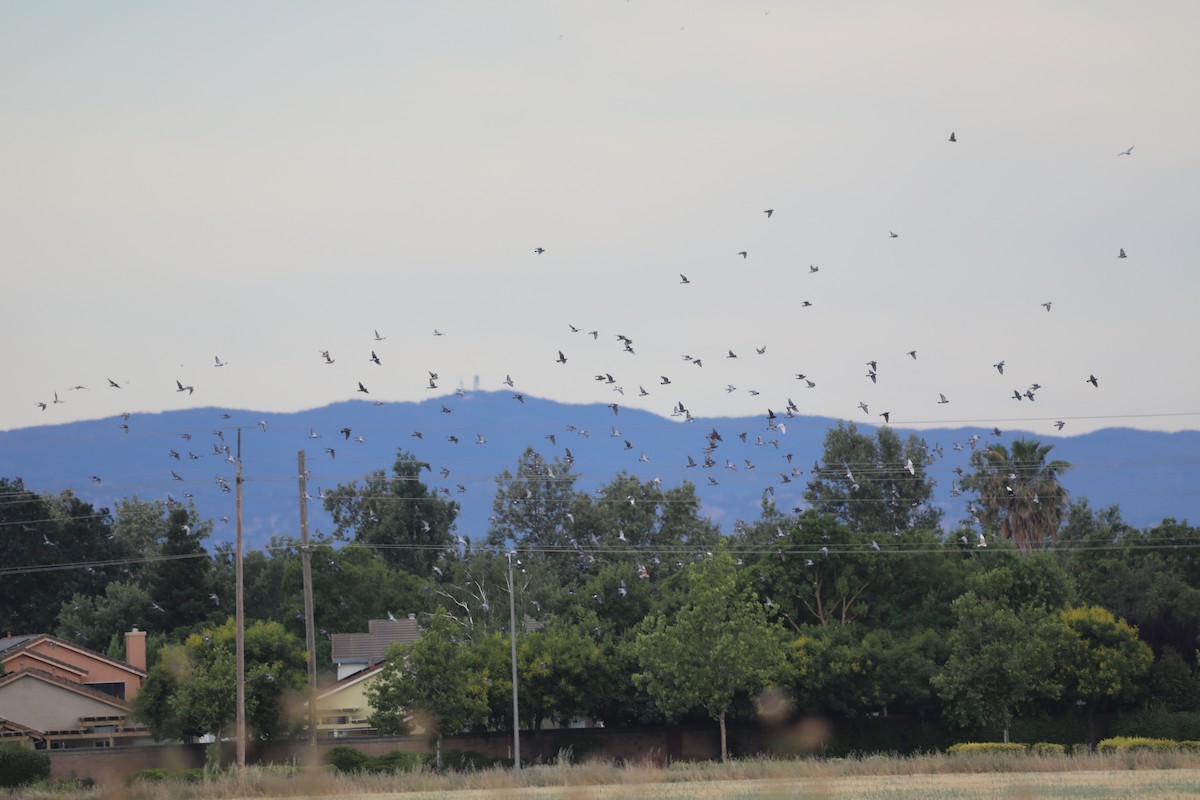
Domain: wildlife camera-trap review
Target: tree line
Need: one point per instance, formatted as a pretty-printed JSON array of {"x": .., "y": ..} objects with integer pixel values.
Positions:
[{"x": 858, "y": 604}]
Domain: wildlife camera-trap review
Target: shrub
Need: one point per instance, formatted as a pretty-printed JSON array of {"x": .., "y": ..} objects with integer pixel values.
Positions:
[
  {"x": 347, "y": 759},
  {"x": 194, "y": 775},
  {"x": 1047, "y": 749},
  {"x": 980, "y": 748},
  {"x": 156, "y": 775},
  {"x": 19, "y": 766}
]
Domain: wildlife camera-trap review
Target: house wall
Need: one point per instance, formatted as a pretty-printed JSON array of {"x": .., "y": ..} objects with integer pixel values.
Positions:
[
  {"x": 46, "y": 707},
  {"x": 353, "y": 696},
  {"x": 660, "y": 746}
]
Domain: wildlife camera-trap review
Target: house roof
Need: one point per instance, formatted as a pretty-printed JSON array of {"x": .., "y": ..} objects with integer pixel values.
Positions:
[
  {"x": 350, "y": 680},
  {"x": 11, "y": 646},
  {"x": 8, "y": 727},
  {"x": 9, "y": 642},
  {"x": 367, "y": 648}
]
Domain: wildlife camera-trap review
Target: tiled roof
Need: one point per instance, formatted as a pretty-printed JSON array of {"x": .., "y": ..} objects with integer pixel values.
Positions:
[
  {"x": 9, "y": 642},
  {"x": 367, "y": 648}
]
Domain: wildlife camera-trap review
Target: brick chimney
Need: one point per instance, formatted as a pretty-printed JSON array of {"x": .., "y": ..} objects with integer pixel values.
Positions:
[{"x": 135, "y": 649}]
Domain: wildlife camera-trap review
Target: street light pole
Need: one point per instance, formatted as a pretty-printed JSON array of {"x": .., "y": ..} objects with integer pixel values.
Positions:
[
  {"x": 512, "y": 636},
  {"x": 240, "y": 614}
]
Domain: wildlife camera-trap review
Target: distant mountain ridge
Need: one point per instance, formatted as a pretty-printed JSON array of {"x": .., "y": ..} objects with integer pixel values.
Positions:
[{"x": 1150, "y": 475}]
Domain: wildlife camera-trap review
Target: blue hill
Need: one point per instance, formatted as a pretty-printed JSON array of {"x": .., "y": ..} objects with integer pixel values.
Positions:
[{"x": 1150, "y": 475}]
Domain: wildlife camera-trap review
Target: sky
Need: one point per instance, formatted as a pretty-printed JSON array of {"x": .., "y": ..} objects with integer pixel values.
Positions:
[{"x": 258, "y": 183}]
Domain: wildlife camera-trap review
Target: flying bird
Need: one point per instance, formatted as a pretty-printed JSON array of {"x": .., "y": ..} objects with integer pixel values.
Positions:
[
  {"x": 1127, "y": 152},
  {"x": 1122, "y": 253},
  {"x": 217, "y": 362},
  {"x": 362, "y": 388},
  {"x": 1047, "y": 305},
  {"x": 942, "y": 398},
  {"x": 999, "y": 367},
  {"x": 375, "y": 358},
  {"x": 769, "y": 212},
  {"x": 683, "y": 278},
  {"x": 379, "y": 338},
  {"x": 742, "y": 253},
  {"x": 952, "y": 137},
  {"x": 561, "y": 358},
  {"x": 182, "y": 388},
  {"x": 1092, "y": 380},
  {"x": 539, "y": 250},
  {"x": 893, "y": 235},
  {"x": 113, "y": 384}
]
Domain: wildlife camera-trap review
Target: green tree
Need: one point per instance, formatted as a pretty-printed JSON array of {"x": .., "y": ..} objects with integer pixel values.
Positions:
[
  {"x": 533, "y": 510},
  {"x": 555, "y": 667},
  {"x": 1148, "y": 577},
  {"x": 1019, "y": 493},
  {"x": 52, "y": 547},
  {"x": 1038, "y": 579},
  {"x": 191, "y": 689},
  {"x": 1002, "y": 661},
  {"x": 93, "y": 621},
  {"x": 719, "y": 645},
  {"x": 180, "y": 584},
  {"x": 849, "y": 670},
  {"x": 398, "y": 513},
  {"x": 1103, "y": 660},
  {"x": 873, "y": 485},
  {"x": 431, "y": 679}
]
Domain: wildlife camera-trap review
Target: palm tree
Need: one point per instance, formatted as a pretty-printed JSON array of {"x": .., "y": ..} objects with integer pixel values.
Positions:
[{"x": 1019, "y": 492}]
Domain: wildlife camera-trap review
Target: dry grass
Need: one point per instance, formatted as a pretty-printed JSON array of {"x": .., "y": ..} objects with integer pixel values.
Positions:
[{"x": 1131, "y": 775}]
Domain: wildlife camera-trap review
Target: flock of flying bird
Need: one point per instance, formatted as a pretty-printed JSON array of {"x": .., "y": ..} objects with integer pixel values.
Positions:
[{"x": 770, "y": 437}]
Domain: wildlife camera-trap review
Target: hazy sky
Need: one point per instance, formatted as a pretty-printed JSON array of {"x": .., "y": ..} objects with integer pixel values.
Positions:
[{"x": 262, "y": 181}]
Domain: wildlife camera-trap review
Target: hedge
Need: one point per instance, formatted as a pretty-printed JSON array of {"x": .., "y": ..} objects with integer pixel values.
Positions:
[
  {"x": 980, "y": 748},
  {"x": 1133, "y": 744},
  {"x": 1180, "y": 725}
]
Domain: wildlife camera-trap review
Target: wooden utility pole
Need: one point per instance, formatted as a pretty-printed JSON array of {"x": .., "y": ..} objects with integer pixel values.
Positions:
[
  {"x": 310, "y": 636},
  {"x": 241, "y": 624},
  {"x": 512, "y": 637}
]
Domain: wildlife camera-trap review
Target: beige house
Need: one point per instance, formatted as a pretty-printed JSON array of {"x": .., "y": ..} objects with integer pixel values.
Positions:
[
  {"x": 354, "y": 652},
  {"x": 56, "y": 694},
  {"x": 342, "y": 709}
]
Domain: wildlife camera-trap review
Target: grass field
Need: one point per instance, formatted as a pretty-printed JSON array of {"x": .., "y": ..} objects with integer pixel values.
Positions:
[
  {"x": 1139, "y": 775},
  {"x": 1107, "y": 785}
]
